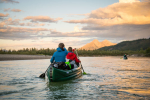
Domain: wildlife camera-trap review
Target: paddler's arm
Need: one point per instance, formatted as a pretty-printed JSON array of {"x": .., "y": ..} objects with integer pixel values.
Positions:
[{"x": 52, "y": 59}]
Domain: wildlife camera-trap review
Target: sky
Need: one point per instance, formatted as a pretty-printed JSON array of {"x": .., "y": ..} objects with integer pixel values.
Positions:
[{"x": 46, "y": 23}]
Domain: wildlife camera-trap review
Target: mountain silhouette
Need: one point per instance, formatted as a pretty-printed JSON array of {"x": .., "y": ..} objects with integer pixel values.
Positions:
[{"x": 95, "y": 44}]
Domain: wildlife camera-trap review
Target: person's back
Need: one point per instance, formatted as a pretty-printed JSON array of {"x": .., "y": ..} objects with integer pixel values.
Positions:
[{"x": 60, "y": 54}]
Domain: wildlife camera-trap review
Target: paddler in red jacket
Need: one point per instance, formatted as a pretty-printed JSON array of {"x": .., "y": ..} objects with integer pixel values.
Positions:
[{"x": 72, "y": 56}]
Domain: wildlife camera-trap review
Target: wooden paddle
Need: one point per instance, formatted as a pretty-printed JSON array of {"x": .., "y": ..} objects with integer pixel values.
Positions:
[
  {"x": 43, "y": 75},
  {"x": 80, "y": 62}
]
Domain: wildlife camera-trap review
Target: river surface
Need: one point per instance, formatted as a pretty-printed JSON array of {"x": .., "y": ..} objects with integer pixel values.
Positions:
[{"x": 107, "y": 78}]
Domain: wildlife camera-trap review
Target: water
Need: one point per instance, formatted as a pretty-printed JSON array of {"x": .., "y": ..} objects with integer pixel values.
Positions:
[{"x": 107, "y": 78}]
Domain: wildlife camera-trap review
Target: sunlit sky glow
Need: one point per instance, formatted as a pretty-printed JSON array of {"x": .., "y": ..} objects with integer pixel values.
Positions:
[{"x": 46, "y": 23}]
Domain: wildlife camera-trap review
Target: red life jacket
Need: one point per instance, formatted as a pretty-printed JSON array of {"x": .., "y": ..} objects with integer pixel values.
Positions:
[{"x": 72, "y": 56}]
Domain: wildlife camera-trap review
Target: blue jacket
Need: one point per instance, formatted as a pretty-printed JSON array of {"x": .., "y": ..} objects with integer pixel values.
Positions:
[{"x": 59, "y": 55}]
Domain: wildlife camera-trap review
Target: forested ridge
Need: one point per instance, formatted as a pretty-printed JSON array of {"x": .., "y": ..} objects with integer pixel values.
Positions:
[{"x": 130, "y": 45}]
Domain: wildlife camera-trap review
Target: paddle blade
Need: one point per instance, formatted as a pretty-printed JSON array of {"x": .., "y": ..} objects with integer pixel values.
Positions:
[
  {"x": 84, "y": 73},
  {"x": 42, "y": 75}
]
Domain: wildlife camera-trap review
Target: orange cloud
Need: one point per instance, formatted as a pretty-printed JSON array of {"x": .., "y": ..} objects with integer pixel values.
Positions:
[
  {"x": 3, "y": 15},
  {"x": 41, "y": 19},
  {"x": 5, "y": 22},
  {"x": 9, "y": 21},
  {"x": 22, "y": 30},
  {"x": 16, "y": 22},
  {"x": 16, "y": 10},
  {"x": 41, "y": 24},
  {"x": 13, "y": 10},
  {"x": 2, "y": 24},
  {"x": 22, "y": 24},
  {"x": 19, "y": 33},
  {"x": 34, "y": 24},
  {"x": 7, "y": 9},
  {"x": 119, "y": 14}
]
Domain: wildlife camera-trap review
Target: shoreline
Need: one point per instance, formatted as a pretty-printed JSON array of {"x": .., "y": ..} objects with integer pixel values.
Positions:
[{"x": 5, "y": 57}]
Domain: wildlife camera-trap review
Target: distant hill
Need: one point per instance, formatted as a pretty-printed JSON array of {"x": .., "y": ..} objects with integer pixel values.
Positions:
[
  {"x": 130, "y": 45},
  {"x": 95, "y": 44}
]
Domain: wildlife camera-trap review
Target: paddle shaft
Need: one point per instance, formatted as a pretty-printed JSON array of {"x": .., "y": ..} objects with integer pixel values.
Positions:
[
  {"x": 79, "y": 59},
  {"x": 47, "y": 68},
  {"x": 43, "y": 75}
]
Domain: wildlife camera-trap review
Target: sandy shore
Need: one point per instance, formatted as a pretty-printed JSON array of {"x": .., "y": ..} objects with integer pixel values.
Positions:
[{"x": 22, "y": 57}]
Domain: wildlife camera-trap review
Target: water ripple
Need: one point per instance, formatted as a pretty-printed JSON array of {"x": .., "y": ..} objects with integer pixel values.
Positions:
[{"x": 107, "y": 78}]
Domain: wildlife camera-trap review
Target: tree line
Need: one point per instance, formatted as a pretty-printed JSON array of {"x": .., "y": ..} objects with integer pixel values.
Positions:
[
  {"x": 35, "y": 51},
  {"x": 29, "y": 51}
]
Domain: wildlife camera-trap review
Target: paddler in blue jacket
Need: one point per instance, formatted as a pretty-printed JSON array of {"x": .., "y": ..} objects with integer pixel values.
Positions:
[{"x": 60, "y": 54}]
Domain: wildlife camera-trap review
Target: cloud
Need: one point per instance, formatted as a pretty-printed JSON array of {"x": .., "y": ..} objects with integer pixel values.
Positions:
[
  {"x": 55, "y": 33},
  {"x": 42, "y": 19},
  {"x": 44, "y": 43},
  {"x": 22, "y": 30},
  {"x": 16, "y": 10},
  {"x": 2, "y": 24},
  {"x": 76, "y": 29},
  {"x": 9, "y": 21},
  {"x": 145, "y": 0},
  {"x": 13, "y": 22},
  {"x": 16, "y": 22},
  {"x": 3, "y": 15},
  {"x": 13, "y": 10},
  {"x": 93, "y": 27},
  {"x": 8, "y": 1},
  {"x": 17, "y": 33},
  {"x": 34, "y": 24},
  {"x": 117, "y": 21},
  {"x": 128, "y": 1},
  {"x": 79, "y": 14},
  {"x": 22, "y": 24},
  {"x": 119, "y": 31},
  {"x": 5, "y": 10},
  {"x": 136, "y": 13}
]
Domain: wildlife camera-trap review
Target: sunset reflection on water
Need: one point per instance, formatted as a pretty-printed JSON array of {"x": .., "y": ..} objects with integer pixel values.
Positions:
[{"x": 107, "y": 78}]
